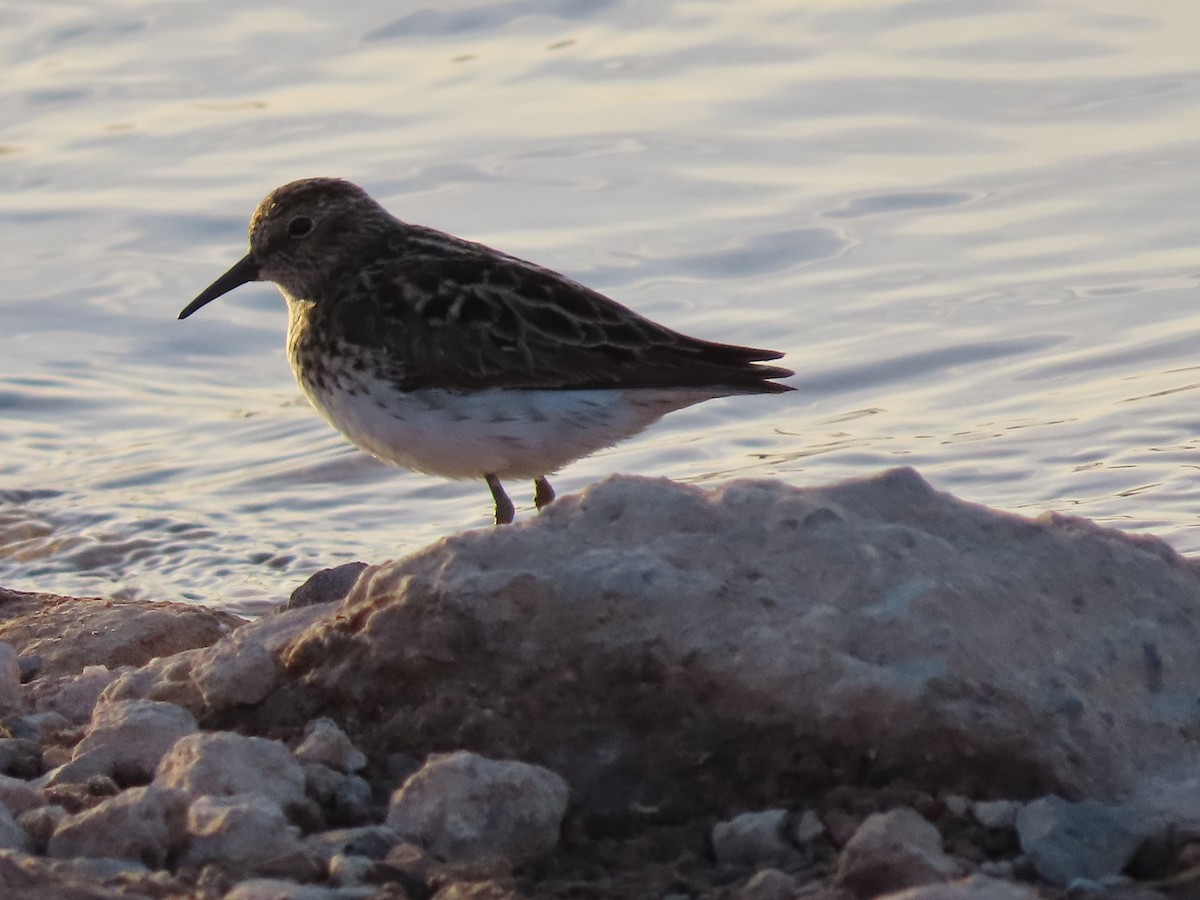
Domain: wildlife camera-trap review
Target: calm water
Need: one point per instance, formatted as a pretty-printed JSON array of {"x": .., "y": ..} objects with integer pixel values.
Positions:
[{"x": 972, "y": 225}]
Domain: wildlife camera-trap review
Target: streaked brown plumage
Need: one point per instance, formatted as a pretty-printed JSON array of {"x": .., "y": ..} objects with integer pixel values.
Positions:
[{"x": 449, "y": 357}]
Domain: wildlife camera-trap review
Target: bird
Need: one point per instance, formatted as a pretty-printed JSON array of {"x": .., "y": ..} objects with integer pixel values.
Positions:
[{"x": 447, "y": 357}]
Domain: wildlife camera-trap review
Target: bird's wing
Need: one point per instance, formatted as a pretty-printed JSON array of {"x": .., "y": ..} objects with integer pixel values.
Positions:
[{"x": 475, "y": 318}]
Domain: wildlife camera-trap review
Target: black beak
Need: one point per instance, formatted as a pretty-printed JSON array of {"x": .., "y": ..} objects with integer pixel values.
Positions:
[{"x": 246, "y": 269}]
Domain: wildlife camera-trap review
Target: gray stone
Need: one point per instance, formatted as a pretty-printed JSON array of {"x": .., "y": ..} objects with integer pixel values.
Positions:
[
  {"x": 995, "y": 813},
  {"x": 12, "y": 835},
  {"x": 245, "y": 833},
  {"x": 891, "y": 850},
  {"x": 372, "y": 841},
  {"x": 324, "y": 742},
  {"x": 39, "y": 823},
  {"x": 127, "y": 739},
  {"x": 72, "y": 696},
  {"x": 11, "y": 699},
  {"x": 462, "y": 806},
  {"x": 1066, "y": 841},
  {"x": 873, "y": 618},
  {"x": 753, "y": 839},
  {"x": 326, "y": 586},
  {"x": 144, "y": 824},
  {"x": 221, "y": 763},
  {"x": 18, "y": 795},
  {"x": 808, "y": 827}
]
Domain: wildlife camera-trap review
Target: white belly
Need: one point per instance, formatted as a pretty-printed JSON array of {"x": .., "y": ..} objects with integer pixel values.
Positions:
[{"x": 507, "y": 433}]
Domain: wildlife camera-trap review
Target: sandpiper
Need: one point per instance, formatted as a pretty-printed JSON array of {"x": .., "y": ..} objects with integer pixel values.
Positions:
[{"x": 448, "y": 357}]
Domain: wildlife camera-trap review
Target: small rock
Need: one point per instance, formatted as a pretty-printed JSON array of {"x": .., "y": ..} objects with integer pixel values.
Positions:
[
  {"x": 753, "y": 839},
  {"x": 12, "y": 835},
  {"x": 20, "y": 758},
  {"x": 246, "y": 833},
  {"x": 896, "y": 849},
  {"x": 462, "y": 806},
  {"x": 72, "y": 696},
  {"x": 349, "y": 870},
  {"x": 321, "y": 782},
  {"x": 10, "y": 679},
  {"x": 352, "y": 799},
  {"x": 221, "y": 763},
  {"x": 237, "y": 671},
  {"x": 19, "y": 795},
  {"x": 808, "y": 827},
  {"x": 326, "y": 586},
  {"x": 372, "y": 841},
  {"x": 144, "y": 824},
  {"x": 977, "y": 887},
  {"x": 127, "y": 739},
  {"x": 324, "y": 742},
  {"x": 40, "y": 823},
  {"x": 995, "y": 813},
  {"x": 48, "y": 722},
  {"x": 1067, "y": 841},
  {"x": 957, "y": 805},
  {"x": 769, "y": 884}
]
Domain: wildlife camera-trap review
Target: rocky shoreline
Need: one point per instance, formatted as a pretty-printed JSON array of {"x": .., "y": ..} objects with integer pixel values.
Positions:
[{"x": 758, "y": 692}]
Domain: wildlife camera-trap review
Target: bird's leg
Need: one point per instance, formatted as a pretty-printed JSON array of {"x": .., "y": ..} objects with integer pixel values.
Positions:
[
  {"x": 543, "y": 494},
  {"x": 504, "y": 506}
]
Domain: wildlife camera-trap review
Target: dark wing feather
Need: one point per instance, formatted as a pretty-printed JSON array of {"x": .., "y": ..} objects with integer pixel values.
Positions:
[{"x": 467, "y": 317}]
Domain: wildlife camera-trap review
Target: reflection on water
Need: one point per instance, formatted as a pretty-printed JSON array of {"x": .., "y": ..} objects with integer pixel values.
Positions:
[{"x": 971, "y": 225}]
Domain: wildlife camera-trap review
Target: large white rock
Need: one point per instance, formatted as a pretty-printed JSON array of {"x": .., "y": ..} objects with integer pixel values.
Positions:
[
  {"x": 221, "y": 763},
  {"x": 462, "y": 806},
  {"x": 970, "y": 650},
  {"x": 245, "y": 833},
  {"x": 126, "y": 739},
  {"x": 144, "y": 824}
]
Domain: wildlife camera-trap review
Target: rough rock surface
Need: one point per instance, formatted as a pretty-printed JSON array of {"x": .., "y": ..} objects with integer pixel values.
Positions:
[
  {"x": 70, "y": 633},
  {"x": 221, "y": 763},
  {"x": 245, "y": 833},
  {"x": 753, "y": 839},
  {"x": 765, "y": 629},
  {"x": 12, "y": 835},
  {"x": 838, "y": 657},
  {"x": 127, "y": 739},
  {"x": 1066, "y": 841},
  {"x": 143, "y": 824},
  {"x": 896, "y": 848},
  {"x": 461, "y": 807}
]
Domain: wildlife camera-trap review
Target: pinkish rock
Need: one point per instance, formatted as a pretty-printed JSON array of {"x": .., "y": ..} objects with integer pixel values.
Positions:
[
  {"x": 324, "y": 742},
  {"x": 245, "y": 833},
  {"x": 221, "y": 763},
  {"x": 127, "y": 739},
  {"x": 144, "y": 824},
  {"x": 71, "y": 633},
  {"x": 461, "y": 806}
]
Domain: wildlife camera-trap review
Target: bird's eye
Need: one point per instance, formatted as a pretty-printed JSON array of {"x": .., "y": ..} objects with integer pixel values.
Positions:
[{"x": 300, "y": 226}]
